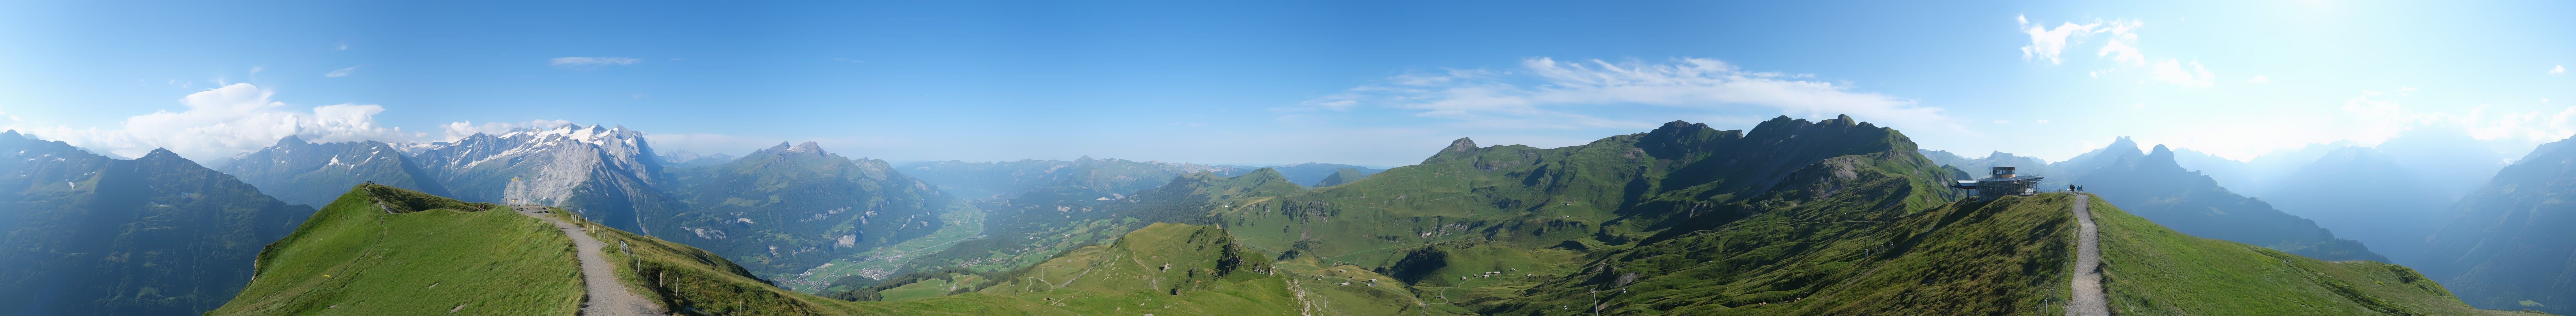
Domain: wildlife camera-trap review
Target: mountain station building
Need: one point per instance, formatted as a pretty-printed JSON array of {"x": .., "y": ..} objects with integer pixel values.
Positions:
[{"x": 2001, "y": 181}]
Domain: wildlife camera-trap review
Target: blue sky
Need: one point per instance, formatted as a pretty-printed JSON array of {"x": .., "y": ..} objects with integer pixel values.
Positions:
[{"x": 1243, "y": 82}]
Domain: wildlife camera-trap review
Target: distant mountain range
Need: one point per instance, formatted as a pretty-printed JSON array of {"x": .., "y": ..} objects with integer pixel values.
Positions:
[
  {"x": 308, "y": 173},
  {"x": 87, "y": 234},
  {"x": 1313, "y": 173},
  {"x": 2151, "y": 185},
  {"x": 1794, "y": 217},
  {"x": 1093, "y": 178},
  {"x": 609, "y": 174},
  {"x": 1790, "y": 217},
  {"x": 685, "y": 159},
  {"x": 785, "y": 209},
  {"x": 2391, "y": 196},
  {"x": 2509, "y": 244},
  {"x": 2154, "y": 185}
]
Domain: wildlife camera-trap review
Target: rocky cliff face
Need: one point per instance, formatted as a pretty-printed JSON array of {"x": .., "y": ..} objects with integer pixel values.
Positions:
[
  {"x": 313, "y": 174},
  {"x": 159, "y": 235},
  {"x": 608, "y": 174}
]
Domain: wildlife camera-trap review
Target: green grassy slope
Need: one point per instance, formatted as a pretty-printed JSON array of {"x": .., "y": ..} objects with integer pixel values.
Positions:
[
  {"x": 416, "y": 254},
  {"x": 1172, "y": 268},
  {"x": 1614, "y": 191},
  {"x": 1834, "y": 256},
  {"x": 385, "y": 251},
  {"x": 2150, "y": 270}
]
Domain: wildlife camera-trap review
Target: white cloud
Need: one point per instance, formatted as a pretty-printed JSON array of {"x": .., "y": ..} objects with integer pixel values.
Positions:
[
  {"x": 2373, "y": 117},
  {"x": 2560, "y": 69},
  {"x": 1534, "y": 96},
  {"x": 459, "y": 130},
  {"x": 343, "y": 72},
  {"x": 227, "y": 121},
  {"x": 2258, "y": 79},
  {"x": 2171, "y": 71},
  {"x": 591, "y": 61},
  {"x": 2119, "y": 47},
  {"x": 2048, "y": 43}
]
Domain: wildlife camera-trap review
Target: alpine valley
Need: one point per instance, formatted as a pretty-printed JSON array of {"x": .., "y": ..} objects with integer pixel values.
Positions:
[{"x": 1789, "y": 217}]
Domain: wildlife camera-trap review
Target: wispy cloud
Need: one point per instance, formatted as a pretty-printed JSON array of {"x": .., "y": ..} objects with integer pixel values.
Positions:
[
  {"x": 343, "y": 72},
  {"x": 459, "y": 130},
  {"x": 2172, "y": 71},
  {"x": 2050, "y": 43},
  {"x": 591, "y": 61},
  {"x": 1544, "y": 92},
  {"x": 2119, "y": 47},
  {"x": 2560, "y": 69},
  {"x": 227, "y": 121}
]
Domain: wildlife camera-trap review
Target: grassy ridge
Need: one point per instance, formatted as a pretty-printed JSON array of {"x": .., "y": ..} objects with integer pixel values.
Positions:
[
  {"x": 385, "y": 251},
  {"x": 1832, "y": 256},
  {"x": 2150, "y": 270},
  {"x": 430, "y": 255},
  {"x": 1161, "y": 268}
]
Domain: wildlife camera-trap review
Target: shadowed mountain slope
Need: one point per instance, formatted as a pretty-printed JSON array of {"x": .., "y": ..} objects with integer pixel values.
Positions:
[
  {"x": 158, "y": 235},
  {"x": 2508, "y": 245}
]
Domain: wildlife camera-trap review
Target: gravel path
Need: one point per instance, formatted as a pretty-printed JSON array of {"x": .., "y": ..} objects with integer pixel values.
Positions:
[
  {"x": 2088, "y": 263},
  {"x": 606, "y": 296}
]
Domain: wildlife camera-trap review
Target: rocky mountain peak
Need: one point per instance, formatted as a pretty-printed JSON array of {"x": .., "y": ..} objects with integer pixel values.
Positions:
[
  {"x": 290, "y": 140},
  {"x": 1678, "y": 126},
  {"x": 1462, "y": 144},
  {"x": 160, "y": 153},
  {"x": 806, "y": 147}
]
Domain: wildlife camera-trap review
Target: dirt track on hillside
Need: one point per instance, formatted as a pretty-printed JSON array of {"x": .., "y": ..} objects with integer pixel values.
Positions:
[
  {"x": 2088, "y": 264},
  {"x": 599, "y": 283}
]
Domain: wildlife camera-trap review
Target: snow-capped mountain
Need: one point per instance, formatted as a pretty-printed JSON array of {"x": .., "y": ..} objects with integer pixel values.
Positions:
[
  {"x": 607, "y": 173},
  {"x": 316, "y": 173}
]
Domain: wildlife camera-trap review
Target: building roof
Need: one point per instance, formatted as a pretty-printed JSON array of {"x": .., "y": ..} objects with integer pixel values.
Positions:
[{"x": 2012, "y": 179}]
